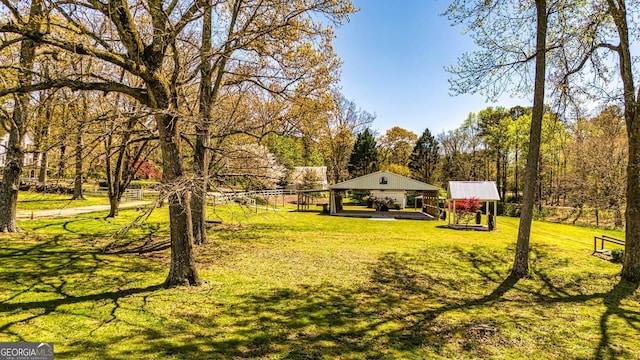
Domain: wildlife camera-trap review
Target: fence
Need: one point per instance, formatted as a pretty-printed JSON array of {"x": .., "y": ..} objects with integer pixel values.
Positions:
[{"x": 129, "y": 194}]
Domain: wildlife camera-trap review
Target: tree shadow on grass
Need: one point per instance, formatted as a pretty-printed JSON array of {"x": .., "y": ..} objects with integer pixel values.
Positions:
[
  {"x": 41, "y": 276},
  {"x": 405, "y": 307},
  {"x": 404, "y": 310},
  {"x": 613, "y": 302}
]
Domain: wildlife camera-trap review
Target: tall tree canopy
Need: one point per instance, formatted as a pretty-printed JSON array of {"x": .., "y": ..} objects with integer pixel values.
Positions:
[
  {"x": 395, "y": 149},
  {"x": 338, "y": 134},
  {"x": 279, "y": 48},
  {"x": 424, "y": 157},
  {"x": 365, "y": 158}
]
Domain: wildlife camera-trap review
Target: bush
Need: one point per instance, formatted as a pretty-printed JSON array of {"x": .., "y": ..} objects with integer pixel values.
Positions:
[
  {"x": 466, "y": 209},
  {"x": 54, "y": 189},
  {"x": 539, "y": 214},
  {"x": 512, "y": 210},
  {"x": 617, "y": 254}
]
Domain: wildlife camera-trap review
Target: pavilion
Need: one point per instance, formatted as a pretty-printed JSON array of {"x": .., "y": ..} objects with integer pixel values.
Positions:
[
  {"x": 485, "y": 191},
  {"x": 390, "y": 185}
]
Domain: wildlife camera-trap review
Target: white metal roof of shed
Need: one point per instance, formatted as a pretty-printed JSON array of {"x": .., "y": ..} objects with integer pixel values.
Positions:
[
  {"x": 481, "y": 190},
  {"x": 383, "y": 180}
]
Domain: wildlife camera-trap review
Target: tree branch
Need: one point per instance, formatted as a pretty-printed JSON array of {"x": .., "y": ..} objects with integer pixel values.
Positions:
[{"x": 139, "y": 94}]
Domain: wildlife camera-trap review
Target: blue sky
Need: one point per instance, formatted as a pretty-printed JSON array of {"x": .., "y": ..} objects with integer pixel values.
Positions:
[{"x": 394, "y": 53}]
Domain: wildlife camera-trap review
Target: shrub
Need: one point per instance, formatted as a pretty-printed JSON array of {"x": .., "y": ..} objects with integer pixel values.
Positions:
[
  {"x": 617, "y": 254},
  {"x": 466, "y": 209},
  {"x": 512, "y": 210}
]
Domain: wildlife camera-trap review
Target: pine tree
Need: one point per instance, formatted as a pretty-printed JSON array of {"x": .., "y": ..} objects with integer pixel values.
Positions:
[
  {"x": 424, "y": 157},
  {"x": 364, "y": 157}
]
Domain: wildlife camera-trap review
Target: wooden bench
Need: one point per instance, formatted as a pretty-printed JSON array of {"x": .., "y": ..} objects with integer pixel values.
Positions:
[{"x": 603, "y": 239}]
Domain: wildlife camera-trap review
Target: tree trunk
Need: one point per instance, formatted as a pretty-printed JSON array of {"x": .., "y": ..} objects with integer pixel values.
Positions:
[
  {"x": 631, "y": 264},
  {"x": 517, "y": 194},
  {"x": 504, "y": 179},
  {"x": 40, "y": 154},
  {"x": 521, "y": 262},
  {"x": 199, "y": 197},
  {"x": 618, "y": 216},
  {"x": 15, "y": 152},
  {"x": 209, "y": 89},
  {"x": 114, "y": 206},
  {"x": 201, "y": 151},
  {"x": 12, "y": 172},
  {"x": 62, "y": 163},
  {"x": 499, "y": 173},
  {"x": 183, "y": 265},
  {"x": 44, "y": 165},
  {"x": 78, "y": 178}
]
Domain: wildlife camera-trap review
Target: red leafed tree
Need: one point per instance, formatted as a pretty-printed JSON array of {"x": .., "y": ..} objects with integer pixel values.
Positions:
[
  {"x": 466, "y": 209},
  {"x": 146, "y": 171}
]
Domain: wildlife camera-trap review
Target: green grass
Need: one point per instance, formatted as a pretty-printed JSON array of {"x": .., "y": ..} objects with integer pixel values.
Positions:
[
  {"x": 301, "y": 285},
  {"x": 29, "y": 200}
]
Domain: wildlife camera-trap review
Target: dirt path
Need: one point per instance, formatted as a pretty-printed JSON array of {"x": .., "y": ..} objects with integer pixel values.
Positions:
[{"x": 65, "y": 212}]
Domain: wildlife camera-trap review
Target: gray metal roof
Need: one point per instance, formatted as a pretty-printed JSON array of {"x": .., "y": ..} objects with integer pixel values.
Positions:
[
  {"x": 383, "y": 180},
  {"x": 481, "y": 190}
]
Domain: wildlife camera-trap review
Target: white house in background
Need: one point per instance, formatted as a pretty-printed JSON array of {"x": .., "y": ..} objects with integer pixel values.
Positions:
[
  {"x": 29, "y": 158},
  {"x": 318, "y": 172}
]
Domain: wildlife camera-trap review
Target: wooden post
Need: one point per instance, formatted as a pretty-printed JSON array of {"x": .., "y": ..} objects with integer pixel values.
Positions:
[
  {"x": 486, "y": 211},
  {"x": 495, "y": 215}
]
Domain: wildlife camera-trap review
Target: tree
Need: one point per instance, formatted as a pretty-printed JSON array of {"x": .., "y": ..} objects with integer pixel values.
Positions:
[
  {"x": 364, "y": 157},
  {"x": 395, "y": 148},
  {"x": 521, "y": 262},
  {"x": 606, "y": 31},
  {"x": 471, "y": 130},
  {"x": 599, "y": 157},
  {"x": 518, "y": 134},
  {"x": 141, "y": 54},
  {"x": 337, "y": 136},
  {"x": 631, "y": 267},
  {"x": 128, "y": 144},
  {"x": 466, "y": 209},
  {"x": 284, "y": 53},
  {"x": 503, "y": 64},
  {"x": 150, "y": 41},
  {"x": 425, "y": 156},
  {"x": 494, "y": 129},
  {"x": 455, "y": 161},
  {"x": 17, "y": 122},
  {"x": 78, "y": 179}
]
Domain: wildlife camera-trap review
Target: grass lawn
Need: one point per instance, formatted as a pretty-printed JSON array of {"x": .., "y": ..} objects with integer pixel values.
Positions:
[
  {"x": 302, "y": 285},
  {"x": 30, "y": 200}
]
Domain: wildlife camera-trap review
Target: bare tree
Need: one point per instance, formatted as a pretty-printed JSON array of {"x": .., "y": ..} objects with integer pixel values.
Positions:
[
  {"x": 145, "y": 47},
  {"x": 17, "y": 123},
  {"x": 337, "y": 135}
]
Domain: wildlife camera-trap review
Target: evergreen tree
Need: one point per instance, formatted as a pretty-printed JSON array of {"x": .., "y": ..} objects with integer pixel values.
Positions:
[
  {"x": 364, "y": 157},
  {"x": 424, "y": 157}
]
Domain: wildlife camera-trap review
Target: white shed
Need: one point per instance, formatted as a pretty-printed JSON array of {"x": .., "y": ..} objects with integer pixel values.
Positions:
[{"x": 484, "y": 191}]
